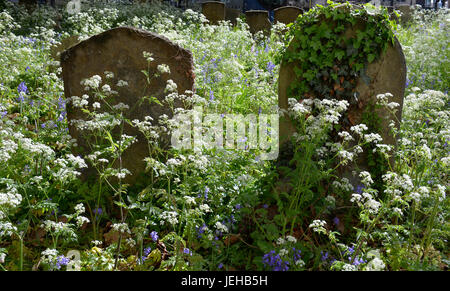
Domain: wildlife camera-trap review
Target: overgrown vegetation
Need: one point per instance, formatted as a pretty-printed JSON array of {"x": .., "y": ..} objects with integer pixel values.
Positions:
[{"x": 223, "y": 209}]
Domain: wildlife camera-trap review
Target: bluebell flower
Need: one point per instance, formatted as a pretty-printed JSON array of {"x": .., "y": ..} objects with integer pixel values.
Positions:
[
  {"x": 297, "y": 254},
  {"x": 359, "y": 189},
  {"x": 206, "y": 192},
  {"x": 61, "y": 261},
  {"x": 357, "y": 261},
  {"x": 324, "y": 256},
  {"x": 351, "y": 250},
  {"x": 98, "y": 211},
  {"x": 201, "y": 230},
  {"x": 270, "y": 66},
  {"x": 147, "y": 251},
  {"x": 154, "y": 235},
  {"x": 22, "y": 88},
  {"x": 336, "y": 221},
  {"x": 61, "y": 103},
  {"x": 220, "y": 266},
  {"x": 274, "y": 261}
]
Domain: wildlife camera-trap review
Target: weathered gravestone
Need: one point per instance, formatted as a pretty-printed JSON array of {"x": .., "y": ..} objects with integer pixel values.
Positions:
[
  {"x": 232, "y": 14},
  {"x": 214, "y": 11},
  {"x": 385, "y": 75},
  {"x": 120, "y": 51},
  {"x": 287, "y": 14},
  {"x": 258, "y": 20}
]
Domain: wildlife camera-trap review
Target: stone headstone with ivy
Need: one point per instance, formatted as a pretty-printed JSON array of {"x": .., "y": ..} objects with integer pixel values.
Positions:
[
  {"x": 331, "y": 59},
  {"x": 287, "y": 14},
  {"x": 121, "y": 52},
  {"x": 214, "y": 11},
  {"x": 258, "y": 20}
]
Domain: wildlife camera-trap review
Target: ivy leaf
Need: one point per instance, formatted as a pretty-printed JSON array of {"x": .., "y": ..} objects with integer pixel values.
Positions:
[{"x": 339, "y": 54}]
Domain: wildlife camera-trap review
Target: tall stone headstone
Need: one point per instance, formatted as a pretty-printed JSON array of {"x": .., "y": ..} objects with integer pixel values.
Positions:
[
  {"x": 232, "y": 14},
  {"x": 385, "y": 75},
  {"x": 214, "y": 11},
  {"x": 287, "y": 14},
  {"x": 120, "y": 51},
  {"x": 258, "y": 20}
]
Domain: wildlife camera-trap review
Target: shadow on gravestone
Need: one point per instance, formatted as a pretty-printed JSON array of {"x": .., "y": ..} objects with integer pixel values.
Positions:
[
  {"x": 386, "y": 75},
  {"x": 120, "y": 51},
  {"x": 287, "y": 14},
  {"x": 214, "y": 11},
  {"x": 258, "y": 20}
]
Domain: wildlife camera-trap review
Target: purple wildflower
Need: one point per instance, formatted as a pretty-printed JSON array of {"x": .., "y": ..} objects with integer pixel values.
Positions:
[
  {"x": 154, "y": 235},
  {"x": 61, "y": 261},
  {"x": 336, "y": 221}
]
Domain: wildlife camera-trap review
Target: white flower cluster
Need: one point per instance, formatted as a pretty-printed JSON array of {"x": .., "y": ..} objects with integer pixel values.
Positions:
[
  {"x": 79, "y": 102},
  {"x": 288, "y": 238},
  {"x": 121, "y": 227},
  {"x": 318, "y": 225},
  {"x": 163, "y": 69},
  {"x": 343, "y": 185},
  {"x": 92, "y": 82},
  {"x": 170, "y": 217},
  {"x": 9, "y": 200},
  {"x": 366, "y": 201},
  {"x": 221, "y": 227},
  {"x": 171, "y": 86}
]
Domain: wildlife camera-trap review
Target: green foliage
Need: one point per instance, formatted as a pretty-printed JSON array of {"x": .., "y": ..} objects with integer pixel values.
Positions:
[{"x": 331, "y": 47}]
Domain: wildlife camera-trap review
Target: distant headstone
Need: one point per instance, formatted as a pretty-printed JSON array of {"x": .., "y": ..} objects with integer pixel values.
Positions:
[
  {"x": 214, "y": 11},
  {"x": 406, "y": 12},
  {"x": 385, "y": 75},
  {"x": 120, "y": 51},
  {"x": 287, "y": 14},
  {"x": 65, "y": 44},
  {"x": 258, "y": 20},
  {"x": 231, "y": 15}
]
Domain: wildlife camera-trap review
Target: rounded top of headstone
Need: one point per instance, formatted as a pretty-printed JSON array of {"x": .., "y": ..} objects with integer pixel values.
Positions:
[
  {"x": 131, "y": 32},
  {"x": 213, "y": 2},
  {"x": 402, "y": 5},
  {"x": 287, "y": 7},
  {"x": 257, "y": 12}
]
